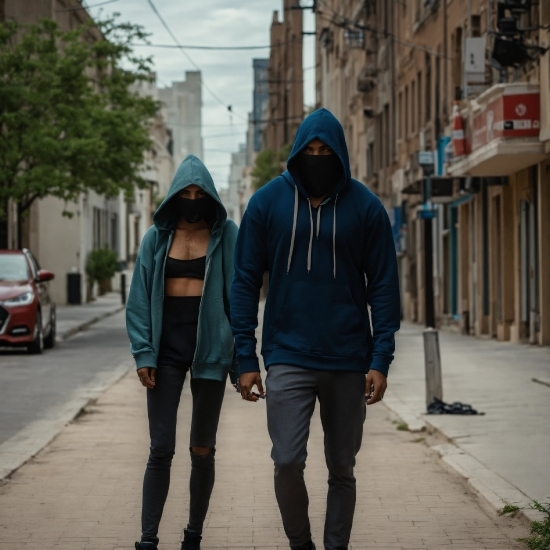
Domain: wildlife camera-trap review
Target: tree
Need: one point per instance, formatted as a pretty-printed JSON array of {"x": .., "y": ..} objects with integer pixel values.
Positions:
[
  {"x": 69, "y": 121},
  {"x": 269, "y": 164}
]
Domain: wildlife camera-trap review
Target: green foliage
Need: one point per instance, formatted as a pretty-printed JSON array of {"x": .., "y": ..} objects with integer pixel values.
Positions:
[
  {"x": 402, "y": 427},
  {"x": 69, "y": 121},
  {"x": 102, "y": 264},
  {"x": 269, "y": 165},
  {"x": 511, "y": 509},
  {"x": 540, "y": 530}
]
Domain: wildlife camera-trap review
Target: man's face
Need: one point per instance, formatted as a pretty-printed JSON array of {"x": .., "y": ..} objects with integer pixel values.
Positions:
[{"x": 317, "y": 147}]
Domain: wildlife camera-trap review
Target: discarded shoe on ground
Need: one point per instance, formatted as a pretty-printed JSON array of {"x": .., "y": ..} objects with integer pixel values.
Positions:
[{"x": 440, "y": 407}]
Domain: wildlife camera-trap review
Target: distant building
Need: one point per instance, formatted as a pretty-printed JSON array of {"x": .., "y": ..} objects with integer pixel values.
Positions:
[
  {"x": 234, "y": 191},
  {"x": 260, "y": 98},
  {"x": 183, "y": 102},
  {"x": 285, "y": 109}
]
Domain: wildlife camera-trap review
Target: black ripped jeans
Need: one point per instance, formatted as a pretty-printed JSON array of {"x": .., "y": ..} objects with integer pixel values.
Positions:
[{"x": 162, "y": 407}]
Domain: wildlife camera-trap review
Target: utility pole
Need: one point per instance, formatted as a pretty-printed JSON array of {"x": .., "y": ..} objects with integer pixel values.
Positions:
[{"x": 432, "y": 358}]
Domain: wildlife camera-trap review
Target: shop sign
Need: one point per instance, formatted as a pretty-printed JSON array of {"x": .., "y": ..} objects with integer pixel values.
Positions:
[{"x": 513, "y": 114}]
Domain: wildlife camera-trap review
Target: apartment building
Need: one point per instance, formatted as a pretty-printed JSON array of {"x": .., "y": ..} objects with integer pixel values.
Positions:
[
  {"x": 469, "y": 82},
  {"x": 285, "y": 106}
]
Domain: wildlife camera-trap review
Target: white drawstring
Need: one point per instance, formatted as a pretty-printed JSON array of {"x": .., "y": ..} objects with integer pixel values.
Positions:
[
  {"x": 311, "y": 231},
  {"x": 310, "y": 237},
  {"x": 293, "y": 238},
  {"x": 334, "y": 236},
  {"x": 318, "y": 220}
]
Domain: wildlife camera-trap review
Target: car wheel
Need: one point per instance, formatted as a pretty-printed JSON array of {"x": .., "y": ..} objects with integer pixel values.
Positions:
[
  {"x": 37, "y": 345},
  {"x": 49, "y": 341}
]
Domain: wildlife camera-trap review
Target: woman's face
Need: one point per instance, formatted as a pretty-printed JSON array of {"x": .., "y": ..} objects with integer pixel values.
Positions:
[{"x": 192, "y": 192}]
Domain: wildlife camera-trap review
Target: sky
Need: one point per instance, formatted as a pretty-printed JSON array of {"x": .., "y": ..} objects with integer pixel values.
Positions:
[{"x": 227, "y": 73}]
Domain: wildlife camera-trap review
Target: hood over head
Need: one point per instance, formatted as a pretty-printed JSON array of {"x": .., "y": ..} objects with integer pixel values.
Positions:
[
  {"x": 323, "y": 125},
  {"x": 190, "y": 171}
]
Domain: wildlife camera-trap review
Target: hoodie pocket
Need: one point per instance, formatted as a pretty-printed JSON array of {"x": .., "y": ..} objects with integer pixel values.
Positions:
[{"x": 320, "y": 319}]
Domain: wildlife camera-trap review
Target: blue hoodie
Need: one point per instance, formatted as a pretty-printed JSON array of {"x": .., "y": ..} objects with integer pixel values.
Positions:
[
  {"x": 326, "y": 267},
  {"x": 214, "y": 355}
]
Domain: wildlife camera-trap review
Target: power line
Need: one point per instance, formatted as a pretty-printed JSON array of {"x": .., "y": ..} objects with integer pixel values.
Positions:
[
  {"x": 196, "y": 47},
  {"x": 229, "y": 48},
  {"x": 174, "y": 38}
]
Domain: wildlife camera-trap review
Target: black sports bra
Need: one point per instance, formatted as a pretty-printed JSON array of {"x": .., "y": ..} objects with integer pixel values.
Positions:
[{"x": 177, "y": 269}]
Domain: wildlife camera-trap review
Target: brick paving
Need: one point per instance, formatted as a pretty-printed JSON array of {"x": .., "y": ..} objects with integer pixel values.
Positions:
[{"x": 83, "y": 490}]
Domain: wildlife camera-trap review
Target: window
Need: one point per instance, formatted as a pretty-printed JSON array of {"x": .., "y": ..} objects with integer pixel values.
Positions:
[
  {"x": 387, "y": 140},
  {"x": 419, "y": 98},
  {"x": 400, "y": 116},
  {"x": 413, "y": 110},
  {"x": 428, "y": 94},
  {"x": 406, "y": 113},
  {"x": 370, "y": 160}
]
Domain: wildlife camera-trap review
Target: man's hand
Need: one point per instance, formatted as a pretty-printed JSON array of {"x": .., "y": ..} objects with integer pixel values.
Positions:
[
  {"x": 147, "y": 376},
  {"x": 247, "y": 381},
  {"x": 375, "y": 386}
]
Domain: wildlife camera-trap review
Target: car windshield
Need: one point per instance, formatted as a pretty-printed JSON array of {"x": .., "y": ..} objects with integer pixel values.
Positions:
[{"x": 13, "y": 267}]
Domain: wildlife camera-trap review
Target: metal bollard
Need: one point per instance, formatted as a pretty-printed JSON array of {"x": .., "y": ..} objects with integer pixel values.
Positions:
[
  {"x": 432, "y": 361},
  {"x": 123, "y": 288}
]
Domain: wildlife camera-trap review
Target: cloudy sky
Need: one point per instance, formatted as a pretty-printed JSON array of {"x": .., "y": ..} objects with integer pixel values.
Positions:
[{"x": 227, "y": 73}]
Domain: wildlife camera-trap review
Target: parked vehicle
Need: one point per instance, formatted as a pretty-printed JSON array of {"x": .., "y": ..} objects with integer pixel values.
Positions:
[{"x": 27, "y": 312}]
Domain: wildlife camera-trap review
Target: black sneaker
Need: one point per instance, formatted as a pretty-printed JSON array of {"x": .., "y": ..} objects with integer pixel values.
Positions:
[
  {"x": 308, "y": 546},
  {"x": 191, "y": 540},
  {"x": 146, "y": 546}
]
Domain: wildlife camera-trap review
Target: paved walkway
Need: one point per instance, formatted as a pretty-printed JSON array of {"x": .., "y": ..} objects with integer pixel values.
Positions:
[
  {"x": 71, "y": 319},
  {"x": 512, "y": 439},
  {"x": 83, "y": 490}
]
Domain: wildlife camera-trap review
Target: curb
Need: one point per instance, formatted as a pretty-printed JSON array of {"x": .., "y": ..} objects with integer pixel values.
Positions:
[
  {"x": 87, "y": 324},
  {"x": 29, "y": 441},
  {"x": 492, "y": 488}
]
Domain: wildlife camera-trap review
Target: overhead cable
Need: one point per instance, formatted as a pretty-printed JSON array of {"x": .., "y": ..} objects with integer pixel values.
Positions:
[{"x": 188, "y": 57}]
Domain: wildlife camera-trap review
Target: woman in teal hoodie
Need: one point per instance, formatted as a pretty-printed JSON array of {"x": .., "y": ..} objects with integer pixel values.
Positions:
[{"x": 177, "y": 319}]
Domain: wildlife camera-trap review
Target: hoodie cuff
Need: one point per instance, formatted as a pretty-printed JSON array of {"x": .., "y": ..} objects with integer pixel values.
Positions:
[
  {"x": 146, "y": 359},
  {"x": 248, "y": 364},
  {"x": 381, "y": 364}
]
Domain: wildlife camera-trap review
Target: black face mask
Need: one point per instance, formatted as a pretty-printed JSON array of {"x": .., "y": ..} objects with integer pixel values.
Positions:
[
  {"x": 319, "y": 174},
  {"x": 194, "y": 210}
]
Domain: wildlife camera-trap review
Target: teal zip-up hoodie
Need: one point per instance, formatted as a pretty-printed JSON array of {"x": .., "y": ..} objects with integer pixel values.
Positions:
[{"x": 214, "y": 356}]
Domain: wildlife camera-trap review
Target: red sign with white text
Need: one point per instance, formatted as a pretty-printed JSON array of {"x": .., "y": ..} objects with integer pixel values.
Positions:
[{"x": 510, "y": 115}]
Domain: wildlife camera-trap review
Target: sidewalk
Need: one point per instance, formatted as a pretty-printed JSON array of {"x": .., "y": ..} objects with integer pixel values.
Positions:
[
  {"x": 83, "y": 491},
  {"x": 512, "y": 439},
  {"x": 72, "y": 319}
]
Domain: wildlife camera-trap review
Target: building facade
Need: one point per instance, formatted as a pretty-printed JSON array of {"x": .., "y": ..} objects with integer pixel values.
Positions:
[
  {"x": 467, "y": 81},
  {"x": 183, "y": 113},
  {"x": 285, "y": 106}
]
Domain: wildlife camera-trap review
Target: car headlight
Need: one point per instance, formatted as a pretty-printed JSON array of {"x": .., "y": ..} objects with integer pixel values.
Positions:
[{"x": 21, "y": 300}]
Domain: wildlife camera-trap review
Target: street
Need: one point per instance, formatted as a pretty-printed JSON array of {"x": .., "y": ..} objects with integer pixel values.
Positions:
[
  {"x": 33, "y": 385},
  {"x": 83, "y": 491}
]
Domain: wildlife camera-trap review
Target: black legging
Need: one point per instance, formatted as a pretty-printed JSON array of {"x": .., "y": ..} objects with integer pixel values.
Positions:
[{"x": 162, "y": 407}]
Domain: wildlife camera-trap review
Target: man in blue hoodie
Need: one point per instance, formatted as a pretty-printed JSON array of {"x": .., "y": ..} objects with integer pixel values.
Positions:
[{"x": 326, "y": 242}]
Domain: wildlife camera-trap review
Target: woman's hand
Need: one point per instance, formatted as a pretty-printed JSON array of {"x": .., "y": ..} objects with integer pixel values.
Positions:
[{"x": 146, "y": 376}]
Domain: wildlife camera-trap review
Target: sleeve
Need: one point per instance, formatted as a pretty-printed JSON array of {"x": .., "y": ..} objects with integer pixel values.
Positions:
[
  {"x": 138, "y": 317},
  {"x": 229, "y": 241},
  {"x": 382, "y": 290},
  {"x": 250, "y": 266}
]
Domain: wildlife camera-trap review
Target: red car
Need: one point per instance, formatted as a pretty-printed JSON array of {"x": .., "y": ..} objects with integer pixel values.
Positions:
[{"x": 27, "y": 312}]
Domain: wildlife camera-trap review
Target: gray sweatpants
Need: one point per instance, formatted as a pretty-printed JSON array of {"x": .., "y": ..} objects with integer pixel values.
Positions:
[{"x": 291, "y": 396}]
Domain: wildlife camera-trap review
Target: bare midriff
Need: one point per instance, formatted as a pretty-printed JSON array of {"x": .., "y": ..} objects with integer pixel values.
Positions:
[{"x": 184, "y": 286}]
